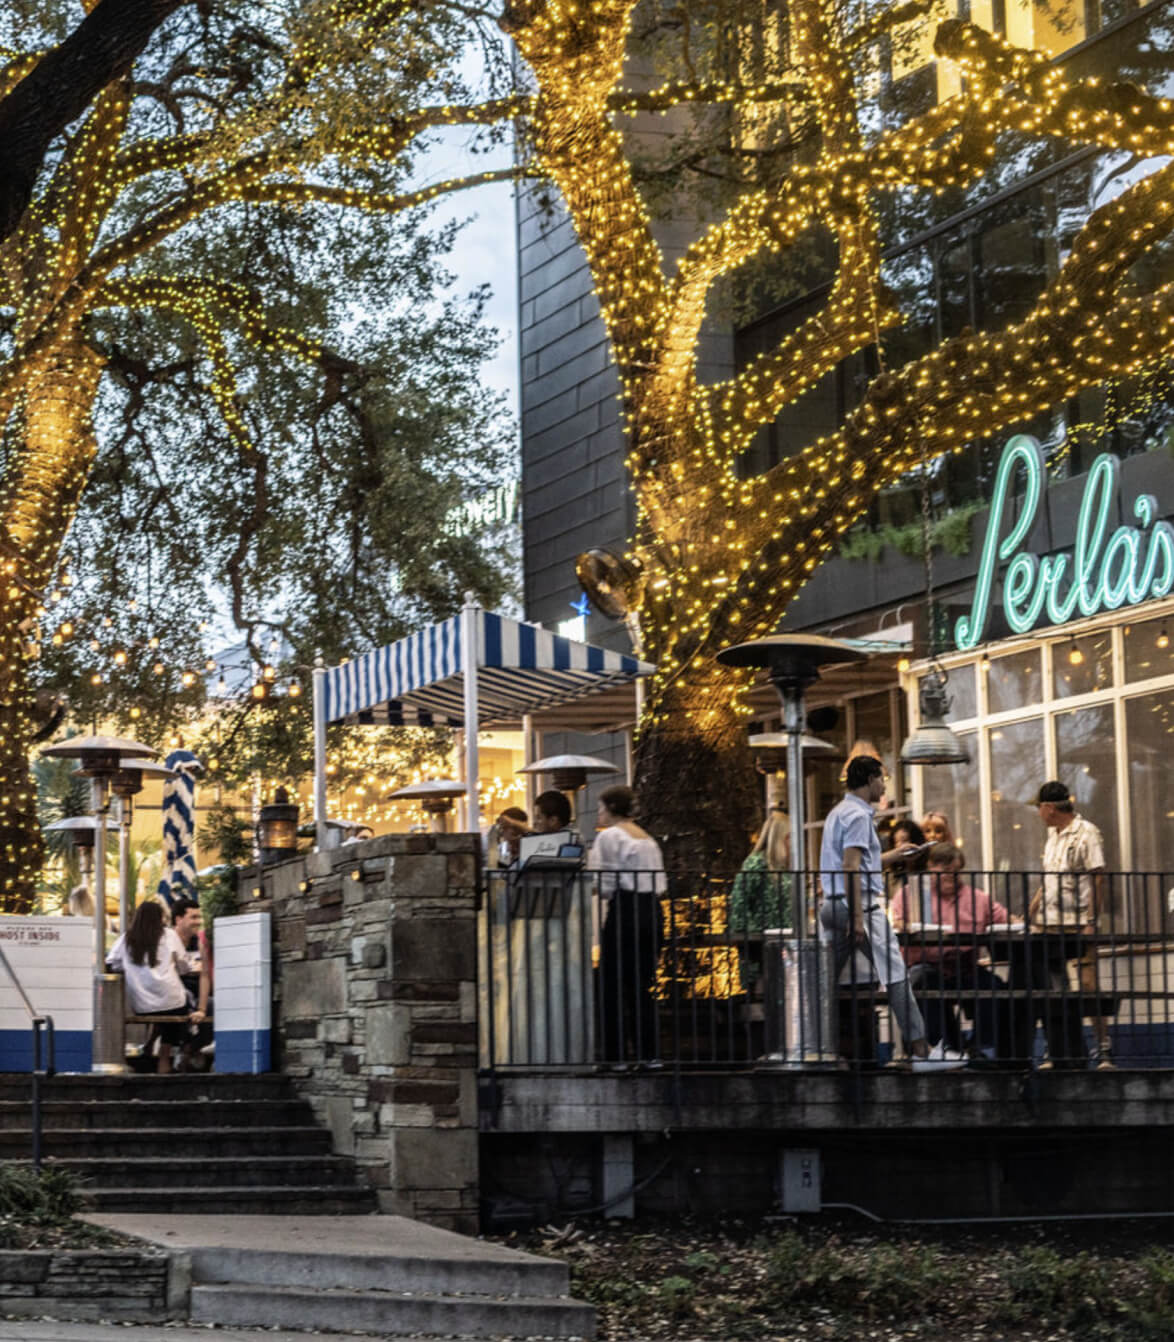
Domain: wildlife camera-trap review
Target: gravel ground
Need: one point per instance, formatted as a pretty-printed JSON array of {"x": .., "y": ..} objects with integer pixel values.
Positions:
[{"x": 777, "y": 1281}]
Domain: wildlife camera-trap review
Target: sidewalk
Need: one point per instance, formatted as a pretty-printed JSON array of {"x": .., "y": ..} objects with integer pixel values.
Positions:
[{"x": 42, "y": 1330}]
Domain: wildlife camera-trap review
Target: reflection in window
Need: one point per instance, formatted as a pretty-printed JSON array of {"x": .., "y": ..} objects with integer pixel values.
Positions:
[
  {"x": 1149, "y": 649},
  {"x": 963, "y": 694},
  {"x": 1086, "y": 760},
  {"x": 1017, "y": 765},
  {"x": 1082, "y": 665},
  {"x": 953, "y": 789},
  {"x": 1014, "y": 681},
  {"x": 1149, "y": 727}
]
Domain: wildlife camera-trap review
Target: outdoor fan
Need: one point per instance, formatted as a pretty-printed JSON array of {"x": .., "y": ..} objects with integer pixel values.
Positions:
[{"x": 614, "y": 585}]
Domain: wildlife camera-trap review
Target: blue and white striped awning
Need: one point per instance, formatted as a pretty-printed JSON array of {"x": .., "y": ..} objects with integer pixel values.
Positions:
[{"x": 521, "y": 669}]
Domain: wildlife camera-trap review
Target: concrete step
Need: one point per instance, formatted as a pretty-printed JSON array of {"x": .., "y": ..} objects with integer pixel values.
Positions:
[
  {"x": 174, "y": 1172},
  {"x": 199, "y": 1145},
  {"x": 407, "y": 1270},
  {"x": 185, "y": 1112},
  {"x": 238, "y": 1200},
  {"x": 186, "y": 1086},
  {"x": 388, "y": 1314}
]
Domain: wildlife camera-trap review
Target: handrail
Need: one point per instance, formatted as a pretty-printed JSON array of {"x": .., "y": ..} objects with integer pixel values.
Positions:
[{"x": 49, "y": 1067}]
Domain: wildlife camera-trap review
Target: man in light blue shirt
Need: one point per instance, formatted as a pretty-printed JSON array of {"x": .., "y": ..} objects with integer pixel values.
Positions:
[{"x": 852, "y": 911}]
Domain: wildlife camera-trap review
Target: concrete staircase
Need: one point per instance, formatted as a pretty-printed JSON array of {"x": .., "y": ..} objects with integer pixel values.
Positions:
[
  {"x": 383, "y": 1275},
  {"x": 225, "y": 1144}
]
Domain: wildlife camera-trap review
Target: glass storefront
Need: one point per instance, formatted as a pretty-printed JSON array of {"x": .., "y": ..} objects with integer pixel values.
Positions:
[{"x": 1092, "y": 706}]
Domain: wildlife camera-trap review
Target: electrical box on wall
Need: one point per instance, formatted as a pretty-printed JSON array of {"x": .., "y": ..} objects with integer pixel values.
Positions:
[{"x": 799, "y": 1175}]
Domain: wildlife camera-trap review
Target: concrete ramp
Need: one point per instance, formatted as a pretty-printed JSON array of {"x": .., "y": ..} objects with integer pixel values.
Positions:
[{"x": 385, "y": 1275}]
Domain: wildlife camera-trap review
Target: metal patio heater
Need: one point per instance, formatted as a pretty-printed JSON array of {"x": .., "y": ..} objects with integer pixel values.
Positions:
[
  {"x": 792, "y": 661},
  {"x": 126, "y": 784},
  {"x": 435, "y": 795},
  {"x": 99, "y": 759},
  {"x": 569, "y": 773},
  {"x": 770, "y": 756}
]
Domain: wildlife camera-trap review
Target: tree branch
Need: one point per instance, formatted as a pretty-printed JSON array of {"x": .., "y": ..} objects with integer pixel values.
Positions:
[{"x": 61, "y": 86}]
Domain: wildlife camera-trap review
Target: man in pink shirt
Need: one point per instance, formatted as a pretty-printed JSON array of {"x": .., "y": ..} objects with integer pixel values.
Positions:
[{"x": 949, "y": 959}]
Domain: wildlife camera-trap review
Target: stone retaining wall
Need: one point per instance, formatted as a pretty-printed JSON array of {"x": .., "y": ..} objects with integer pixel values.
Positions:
[
  {"x": 375, "y": 967},
  {"x": 86, "y": 1284}
]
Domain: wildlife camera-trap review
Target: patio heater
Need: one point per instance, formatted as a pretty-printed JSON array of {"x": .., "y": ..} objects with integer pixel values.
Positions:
[
  {"x": 99, "y": 759},
  {"x": 770, "y": 756},
  {"x": 80, "y": 829},
  {"x": 435, "y": 795},
  {"x": 126, "y": 784},
  {"x": 569, "y": 772},
  {"x": 792, "y": 662}
]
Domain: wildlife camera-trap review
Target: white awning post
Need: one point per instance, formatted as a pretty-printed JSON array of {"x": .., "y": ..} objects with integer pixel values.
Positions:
[
  {"x": 470, "y": 660},
  {"x": 319, "y": 683}
]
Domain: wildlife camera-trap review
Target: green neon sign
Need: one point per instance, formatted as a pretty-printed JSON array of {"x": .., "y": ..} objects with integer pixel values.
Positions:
[{"x": 1104, "y": 571}]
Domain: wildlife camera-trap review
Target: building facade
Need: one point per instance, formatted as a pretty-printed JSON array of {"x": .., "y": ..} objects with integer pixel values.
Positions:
[{"x": 1084, "y": 689}]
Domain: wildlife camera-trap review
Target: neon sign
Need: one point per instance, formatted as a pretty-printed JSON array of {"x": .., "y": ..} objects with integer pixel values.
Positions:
[{"x": 1103, "y": 571}]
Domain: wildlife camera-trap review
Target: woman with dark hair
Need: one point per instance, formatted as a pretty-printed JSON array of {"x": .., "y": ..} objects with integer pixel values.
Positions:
[
  {"x": 907, "y": 839},
  {"x": 152, "y": 957},
  {"x": 631, "y": 876}
]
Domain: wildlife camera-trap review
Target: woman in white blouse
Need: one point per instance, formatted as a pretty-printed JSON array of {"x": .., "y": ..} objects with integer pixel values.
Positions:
[
  {"x": 152, "y": 957},
  {"x": 631, "y": 876}
]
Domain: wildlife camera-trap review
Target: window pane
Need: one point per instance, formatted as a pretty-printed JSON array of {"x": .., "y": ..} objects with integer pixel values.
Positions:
[
  {"x": 1086, "y": 760},
  {"x": 1017, "y": 756},
  {"x": 1014, "y": 682},
  {"x": 1149, "y": 726},
  {"x": 1144, "y": 655},
  {"x": 1082, "y": 665},
  {"x": 953, "y": 790},
  {"x": 963, "y": 698}
]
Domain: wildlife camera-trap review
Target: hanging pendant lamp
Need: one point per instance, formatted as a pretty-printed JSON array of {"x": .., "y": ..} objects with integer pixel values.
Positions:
[{"x": 933, "y": 742}]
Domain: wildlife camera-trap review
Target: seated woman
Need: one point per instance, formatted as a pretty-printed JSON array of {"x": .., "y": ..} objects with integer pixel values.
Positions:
[
  {"x": 909, "y": 841},
  {"x": 949, "y": 960},
  {"x": 152, "y": 958}
]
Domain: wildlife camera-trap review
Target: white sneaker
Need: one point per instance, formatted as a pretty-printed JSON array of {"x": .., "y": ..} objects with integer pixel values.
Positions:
[{"x": 941, "y": 1059}]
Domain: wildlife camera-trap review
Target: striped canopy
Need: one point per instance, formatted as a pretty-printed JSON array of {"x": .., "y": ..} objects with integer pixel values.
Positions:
[{"x": 520, "y": 669}]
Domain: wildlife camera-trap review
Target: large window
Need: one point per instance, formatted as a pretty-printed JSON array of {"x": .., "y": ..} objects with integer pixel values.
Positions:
[{"x": 1092, "y": 707}]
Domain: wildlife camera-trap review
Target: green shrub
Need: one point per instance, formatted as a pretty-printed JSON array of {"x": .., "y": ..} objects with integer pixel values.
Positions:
[
  {"x": 1049, "y": 1288},
  {"x": 1149, "y": 1310},
  {"x": 51, "y": 1196},
  {"x": 885, "y": 1281}
]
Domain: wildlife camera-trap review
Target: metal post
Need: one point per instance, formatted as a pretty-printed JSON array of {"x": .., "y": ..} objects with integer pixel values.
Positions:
[
  {"x": 124, "y": 818},
  {"x": 318, "y": 680},
  {"x": 794, "y": 721},
  {"x": 469, "y": 664},
  {"x": 98, "y": 806},
  {"x": 108, "y": 1053},
  {"x": 529, "y": 755}
]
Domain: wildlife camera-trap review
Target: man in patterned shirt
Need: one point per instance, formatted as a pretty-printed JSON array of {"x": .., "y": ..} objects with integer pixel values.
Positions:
[{"x": 1072, "y": 896}]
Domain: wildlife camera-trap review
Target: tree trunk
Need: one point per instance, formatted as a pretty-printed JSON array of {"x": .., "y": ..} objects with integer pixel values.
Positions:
[
  {"x": 39, "y": 495},
  {"x": 697, "y": 786}
]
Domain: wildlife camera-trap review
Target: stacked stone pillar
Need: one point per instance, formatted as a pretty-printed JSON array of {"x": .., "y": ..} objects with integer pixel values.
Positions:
[{"x": 375, "y": 967}]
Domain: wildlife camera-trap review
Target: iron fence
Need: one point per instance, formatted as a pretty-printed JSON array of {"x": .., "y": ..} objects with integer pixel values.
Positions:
[{"x": 763, "y": 970}]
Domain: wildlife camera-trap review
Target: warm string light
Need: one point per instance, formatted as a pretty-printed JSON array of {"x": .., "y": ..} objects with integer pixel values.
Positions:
[{"x": 722, "y": 555}]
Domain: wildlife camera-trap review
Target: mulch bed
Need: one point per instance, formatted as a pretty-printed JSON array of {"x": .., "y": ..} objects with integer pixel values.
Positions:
[{"x": 849, "y": 1281}]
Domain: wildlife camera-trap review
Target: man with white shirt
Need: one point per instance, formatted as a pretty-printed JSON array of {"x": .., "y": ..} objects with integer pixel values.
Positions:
[
  {"x": 852, "y": 912},
  {"x": 1069, "y": 901}
]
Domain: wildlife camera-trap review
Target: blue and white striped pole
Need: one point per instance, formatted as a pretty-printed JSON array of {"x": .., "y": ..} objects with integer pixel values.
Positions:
[{"x": 179, "y": 828}]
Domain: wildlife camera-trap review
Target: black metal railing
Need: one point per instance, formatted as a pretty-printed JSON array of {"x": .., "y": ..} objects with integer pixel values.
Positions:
[
  {"x": 43, "y": 1059},
  {"x": 768, "y": 969}
]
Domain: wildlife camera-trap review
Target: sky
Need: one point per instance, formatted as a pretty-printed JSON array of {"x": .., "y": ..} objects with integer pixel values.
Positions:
[{"x": 486, "y": 248}]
